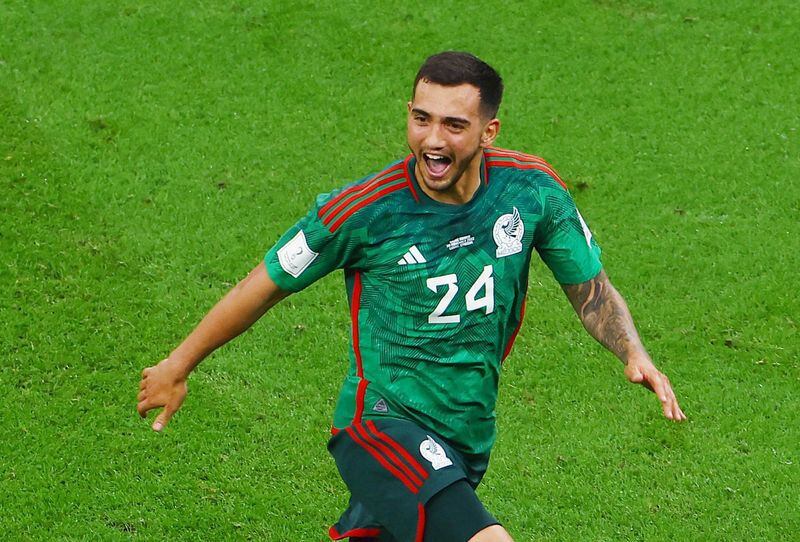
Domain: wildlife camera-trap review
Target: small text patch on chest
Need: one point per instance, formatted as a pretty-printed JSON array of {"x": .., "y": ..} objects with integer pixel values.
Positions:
[{"x": 458, "y": 242}]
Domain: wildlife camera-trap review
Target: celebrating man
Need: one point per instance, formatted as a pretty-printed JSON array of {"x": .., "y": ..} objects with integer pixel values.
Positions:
[{"x": 436, "y": 252}]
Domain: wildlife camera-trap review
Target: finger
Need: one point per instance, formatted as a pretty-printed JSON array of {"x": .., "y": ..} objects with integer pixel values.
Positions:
[
  {"x": 659, "y": 387},
  {"x": 662, "y": 391},
  {"x": 145, "y": 372},
  {"x": 145, "y": 406},
  {"x": 163, "y": 419},
  {"x": 141, "y": 396},
  {"x": 142, "y": 384},
  {"x": 679, "y": 415},
  {"x": 675, "y": 408}
]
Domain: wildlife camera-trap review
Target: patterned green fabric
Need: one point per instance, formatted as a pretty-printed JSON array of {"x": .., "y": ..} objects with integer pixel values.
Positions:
[{"x": 438, "y": 289}]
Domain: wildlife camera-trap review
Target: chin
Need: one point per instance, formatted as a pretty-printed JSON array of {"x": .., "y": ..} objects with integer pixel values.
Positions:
[{"x": 441, "y": 185}]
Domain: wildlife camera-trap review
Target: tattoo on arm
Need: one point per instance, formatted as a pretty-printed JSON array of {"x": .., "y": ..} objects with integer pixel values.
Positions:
[{"x": 605, "y": 315}]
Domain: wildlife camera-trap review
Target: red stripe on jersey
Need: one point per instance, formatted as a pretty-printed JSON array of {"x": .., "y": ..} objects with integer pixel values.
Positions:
[
  {"x": 334, "y": 431},
  {"x": 382, "y": 460},
  {"x": 485, "y": 172},
  {"x": 336, "y": 535},
  {"x": 363, "y": 203},
  {"x": 420, "y": 522},
  {"x": 361, "y": 392},
  {"x": 388, "y": 454},
  {"x": 540, "y": 167},
  {"x": 516, "y": 154},
  {"x": 397, "y": 446},
  {"x": 527, "y": 159},
  {"x": 371, "y": 187},
  {"x": 516, "y": 330},
  {"x": 355, "y": 305},
  {"x": 355, "y": 187},
  {"x": 406, "y": 163}
]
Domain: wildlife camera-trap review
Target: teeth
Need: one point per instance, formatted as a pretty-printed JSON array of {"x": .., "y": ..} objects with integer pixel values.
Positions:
[{"x": 434, "y": 157}]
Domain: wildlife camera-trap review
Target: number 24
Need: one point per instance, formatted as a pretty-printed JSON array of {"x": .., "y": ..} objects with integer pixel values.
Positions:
[{"x": 485, "y": 281}]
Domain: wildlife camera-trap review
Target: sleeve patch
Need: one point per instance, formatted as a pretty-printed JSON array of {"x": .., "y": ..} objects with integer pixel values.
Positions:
[
  {"x": 295, "y": 256},
  {"x": 586, "y": 233}
]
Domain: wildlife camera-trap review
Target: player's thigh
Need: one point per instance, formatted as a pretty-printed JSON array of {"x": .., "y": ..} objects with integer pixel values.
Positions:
[
  {"x": 494, "y": 533},
  {"x": 455, "y": 514},
  {"x": 392, "y": 468}
]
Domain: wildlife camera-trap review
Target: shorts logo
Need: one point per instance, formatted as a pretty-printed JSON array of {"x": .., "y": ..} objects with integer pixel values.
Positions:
[
  {"x": 434, "y": 453},
  {"x": 507, "y": 232},
  {"x": 295, "y": 256}
]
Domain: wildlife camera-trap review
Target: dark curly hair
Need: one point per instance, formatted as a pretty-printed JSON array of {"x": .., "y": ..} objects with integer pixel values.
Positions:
[{"x": 452, "y": 68}]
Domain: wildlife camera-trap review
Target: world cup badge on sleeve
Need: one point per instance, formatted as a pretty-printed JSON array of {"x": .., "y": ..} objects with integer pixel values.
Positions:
[{"x": 295, "y": 256}]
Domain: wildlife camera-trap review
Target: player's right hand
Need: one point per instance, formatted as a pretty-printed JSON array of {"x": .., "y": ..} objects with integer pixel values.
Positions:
[{"x": 163, "y": 385}]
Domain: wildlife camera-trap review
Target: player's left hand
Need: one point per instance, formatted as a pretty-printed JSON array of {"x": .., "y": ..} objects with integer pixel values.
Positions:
[
  {"x": 642, "y": 371},
  {"x": 163, "y": 385}
]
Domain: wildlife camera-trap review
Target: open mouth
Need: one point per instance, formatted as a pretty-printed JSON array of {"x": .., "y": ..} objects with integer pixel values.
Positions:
[{"x": 436, "y": 164}]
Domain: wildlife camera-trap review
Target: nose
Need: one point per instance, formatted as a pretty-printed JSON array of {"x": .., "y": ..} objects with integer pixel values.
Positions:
[{"x": 434, "y": 137}]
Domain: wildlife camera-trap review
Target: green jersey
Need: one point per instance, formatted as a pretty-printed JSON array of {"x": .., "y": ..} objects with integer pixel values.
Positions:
[{"x": 436, "y": 291}]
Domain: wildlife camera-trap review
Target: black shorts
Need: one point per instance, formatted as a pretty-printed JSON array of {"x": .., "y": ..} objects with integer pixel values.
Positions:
[{"x": 393, "y": 468}]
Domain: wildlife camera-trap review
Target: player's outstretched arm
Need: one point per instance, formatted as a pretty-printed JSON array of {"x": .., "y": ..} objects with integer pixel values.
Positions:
[
  {"x": 606, "y": 317},
  {"x": 164, "y": 385}
]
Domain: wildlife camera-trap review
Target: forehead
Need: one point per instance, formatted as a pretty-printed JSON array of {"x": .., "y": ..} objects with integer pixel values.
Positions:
[{"x": 447, "y": 101}]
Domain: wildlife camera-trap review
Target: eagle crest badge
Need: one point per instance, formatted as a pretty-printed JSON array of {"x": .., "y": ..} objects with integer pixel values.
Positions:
[{"x": 508, "y": 230}]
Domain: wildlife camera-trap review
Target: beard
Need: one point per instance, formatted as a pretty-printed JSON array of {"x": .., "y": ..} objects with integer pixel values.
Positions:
[{"x": 458, "y": 168}]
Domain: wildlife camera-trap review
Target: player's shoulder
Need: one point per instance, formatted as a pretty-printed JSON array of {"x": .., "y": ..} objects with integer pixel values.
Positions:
[
  {"x": 360, "y": 200},
  {"x": 516, "y": 166}
]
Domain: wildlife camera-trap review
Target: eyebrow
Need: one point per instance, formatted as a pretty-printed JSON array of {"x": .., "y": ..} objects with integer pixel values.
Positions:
[{"x": 450, "y": 120}]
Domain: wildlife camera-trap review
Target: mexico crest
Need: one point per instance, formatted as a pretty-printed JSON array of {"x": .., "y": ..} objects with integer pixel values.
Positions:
[
  {"x": 430, "y": 450},
  {"x": 508, "y": 230}
]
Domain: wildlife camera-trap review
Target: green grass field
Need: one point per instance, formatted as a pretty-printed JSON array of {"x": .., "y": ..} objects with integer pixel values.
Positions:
[{"x": 151, "y": 152}]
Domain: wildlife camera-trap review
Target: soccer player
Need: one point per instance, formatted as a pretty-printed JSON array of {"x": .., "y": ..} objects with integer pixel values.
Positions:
[{"x": 435, "y": 250}]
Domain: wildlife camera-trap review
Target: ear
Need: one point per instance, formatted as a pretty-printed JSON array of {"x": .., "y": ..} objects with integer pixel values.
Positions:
[
  {"x": 409, "y": 106},
  {"x": 489, "y": 133}
]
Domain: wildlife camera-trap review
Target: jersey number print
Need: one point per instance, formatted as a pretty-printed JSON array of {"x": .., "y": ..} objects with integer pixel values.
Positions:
[{"x": 484, "y": 282}]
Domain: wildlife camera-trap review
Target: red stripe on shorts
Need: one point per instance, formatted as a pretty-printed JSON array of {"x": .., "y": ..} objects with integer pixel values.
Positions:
[
  {"x": 388, "y": 454},
  {"x": 336, "y": 535},
  {"x": 420, "y": 523},
  {"x": 397, "y": 446},
  {"x": 380, "y": 459}
]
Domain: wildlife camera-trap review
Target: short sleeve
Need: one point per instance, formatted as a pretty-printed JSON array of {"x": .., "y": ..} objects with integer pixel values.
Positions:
[
  {"x": 309, "y": 250},
  {"x": 564, "y": 241}
]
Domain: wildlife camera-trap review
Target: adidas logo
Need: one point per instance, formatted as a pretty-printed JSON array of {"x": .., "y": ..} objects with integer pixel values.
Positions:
[{"x": 412, "y": 256}]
